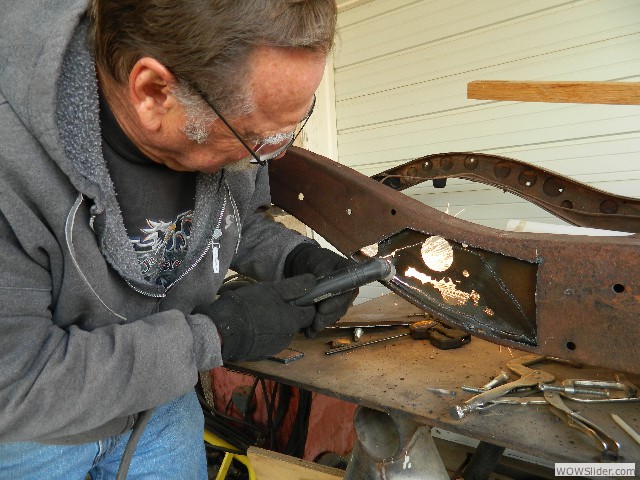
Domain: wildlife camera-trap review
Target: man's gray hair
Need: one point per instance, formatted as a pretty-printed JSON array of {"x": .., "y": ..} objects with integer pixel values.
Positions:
[{"x": 206, "y": 43}]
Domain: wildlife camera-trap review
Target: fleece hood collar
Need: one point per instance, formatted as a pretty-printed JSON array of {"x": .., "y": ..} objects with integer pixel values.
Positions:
[{"x": 35, "y": 33}]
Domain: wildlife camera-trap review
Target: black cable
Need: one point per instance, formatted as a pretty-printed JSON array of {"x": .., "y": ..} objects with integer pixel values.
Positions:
[
  {"x": 212, "y": 413},
  {"x": 298, "y": 439},
  {"x": 132, "y": 443},
  {"x": 270, "y": 431},
  {"x": 252, "y": 393},
  {"x": 284, "y": 401},
  {"x": 221, "y": 425},
  {"x": 228, "y": 405},
  {"x": 230, "y": 434},
  {"x": 272, "y": 405}
]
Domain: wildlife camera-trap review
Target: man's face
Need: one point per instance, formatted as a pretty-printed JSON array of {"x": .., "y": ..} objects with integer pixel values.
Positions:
[{"x": 282, "y": 81}]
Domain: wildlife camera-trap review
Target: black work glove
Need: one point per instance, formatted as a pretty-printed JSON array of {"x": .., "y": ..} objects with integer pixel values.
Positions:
[
  {"x": 257, "y": 321},
  {"x": 310, "y": 258}
]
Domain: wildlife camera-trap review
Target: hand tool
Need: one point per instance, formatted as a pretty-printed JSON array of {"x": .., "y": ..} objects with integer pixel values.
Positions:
[
  {"x": 439, "y": 335},
  {"x": 347, "y": 279},
  {"x": 571, "y": 390},
  {"x": 501, "y": 378},
  {"x": 620, "y": 390},
  {"x": 419, "y": 330},
  {"x": 529, "y": 378},
  {"x": 607, "y": 444}
]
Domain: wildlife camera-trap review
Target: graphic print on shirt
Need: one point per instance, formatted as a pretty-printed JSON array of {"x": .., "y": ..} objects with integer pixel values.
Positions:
[
  {"x": 162, "y": 247},
  {"x": 229, "y": 221}
]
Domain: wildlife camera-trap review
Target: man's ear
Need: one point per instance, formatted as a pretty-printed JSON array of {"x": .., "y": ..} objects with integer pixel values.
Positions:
[{"x": 150, "y": 92}]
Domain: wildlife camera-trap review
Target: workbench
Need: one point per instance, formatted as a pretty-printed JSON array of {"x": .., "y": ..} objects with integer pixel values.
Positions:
[{"x": 413, "y": 378}]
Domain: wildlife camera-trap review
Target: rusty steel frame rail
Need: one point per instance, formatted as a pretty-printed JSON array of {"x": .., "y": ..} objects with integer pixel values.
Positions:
[
  {"x": 572, "y": 201},
  {"x": 580, "y": 295}
]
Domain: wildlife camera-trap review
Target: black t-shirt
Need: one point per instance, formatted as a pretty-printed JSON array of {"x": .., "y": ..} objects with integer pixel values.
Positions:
[{"x": 156, "y": 202}]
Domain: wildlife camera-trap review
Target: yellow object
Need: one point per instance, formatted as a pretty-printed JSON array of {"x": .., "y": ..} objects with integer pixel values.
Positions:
[
  {"x": 276, "y": 466},
  {"x": 213, "y": 439}
]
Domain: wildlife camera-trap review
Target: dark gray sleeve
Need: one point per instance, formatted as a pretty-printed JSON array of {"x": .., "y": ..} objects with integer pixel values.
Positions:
[{"x": 59, "y": 381}]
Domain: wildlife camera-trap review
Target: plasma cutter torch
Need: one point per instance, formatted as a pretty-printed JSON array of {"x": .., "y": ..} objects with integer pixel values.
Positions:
[{"x": 347, "y": 279}]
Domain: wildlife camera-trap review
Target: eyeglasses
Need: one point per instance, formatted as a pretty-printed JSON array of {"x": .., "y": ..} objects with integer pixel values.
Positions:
[{"x": 267, "y": 148}]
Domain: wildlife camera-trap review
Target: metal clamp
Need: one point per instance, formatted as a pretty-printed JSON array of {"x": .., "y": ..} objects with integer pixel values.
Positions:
[
  {"x": 529, "y": 378},
  {"x": 607, "y": 444}
]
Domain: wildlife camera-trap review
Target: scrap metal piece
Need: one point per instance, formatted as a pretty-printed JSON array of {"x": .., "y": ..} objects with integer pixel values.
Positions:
[{"x": 573, "y": 297}]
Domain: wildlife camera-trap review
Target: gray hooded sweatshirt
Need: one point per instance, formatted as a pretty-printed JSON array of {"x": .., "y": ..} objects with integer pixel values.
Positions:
[{"x": 86, "y": 342}]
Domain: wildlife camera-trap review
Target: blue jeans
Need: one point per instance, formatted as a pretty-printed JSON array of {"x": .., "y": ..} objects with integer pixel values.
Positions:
[{"x": 171, "y": 447}]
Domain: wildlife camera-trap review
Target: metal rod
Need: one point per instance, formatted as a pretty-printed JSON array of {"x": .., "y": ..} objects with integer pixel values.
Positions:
[
  {"x": 358, "y": 345},
  {"x": 626, "y": 427}
]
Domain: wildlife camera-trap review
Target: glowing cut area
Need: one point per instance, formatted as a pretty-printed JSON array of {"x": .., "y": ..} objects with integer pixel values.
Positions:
[{"x": 451, "y": 294}]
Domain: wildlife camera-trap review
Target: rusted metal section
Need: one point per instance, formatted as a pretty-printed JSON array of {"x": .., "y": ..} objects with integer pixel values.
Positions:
[
  {"x": 578, "y": 297},
  {"x": 574, "y": 202}
]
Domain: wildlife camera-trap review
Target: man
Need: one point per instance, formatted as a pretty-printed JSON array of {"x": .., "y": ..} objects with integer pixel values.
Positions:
[{"x": 124, "y": 199}]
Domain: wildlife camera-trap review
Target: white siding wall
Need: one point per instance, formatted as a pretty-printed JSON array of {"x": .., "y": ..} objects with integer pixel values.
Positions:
[{"x": 401, "y": 70}]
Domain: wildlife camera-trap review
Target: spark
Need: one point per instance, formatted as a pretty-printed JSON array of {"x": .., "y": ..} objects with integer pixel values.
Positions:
[
  {"x": 393, "y": 254},
  {"x": 447, "y": 211}
]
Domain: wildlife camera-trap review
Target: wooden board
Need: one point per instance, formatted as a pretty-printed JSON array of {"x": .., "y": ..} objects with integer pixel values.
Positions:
[
  {"x": 612, "y": 93},
  {"x": 269, "y": 465}
]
